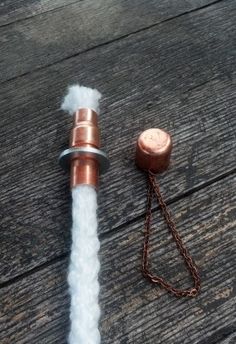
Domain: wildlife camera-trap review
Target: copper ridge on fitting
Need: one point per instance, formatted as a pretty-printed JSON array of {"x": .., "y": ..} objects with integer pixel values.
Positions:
[{"x": 84, "y": 157}]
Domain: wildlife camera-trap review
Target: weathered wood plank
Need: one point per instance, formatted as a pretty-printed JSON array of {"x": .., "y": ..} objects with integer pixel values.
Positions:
[
  {"x": 35, "y": 309},
  {"x": 163, "y": 91},
  {"x": 56, "y": 35},
  {"x": 14, "y": 10}
]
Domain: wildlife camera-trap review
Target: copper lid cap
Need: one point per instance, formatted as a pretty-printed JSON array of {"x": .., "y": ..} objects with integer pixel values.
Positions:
[{"x": 153, "y": 150}]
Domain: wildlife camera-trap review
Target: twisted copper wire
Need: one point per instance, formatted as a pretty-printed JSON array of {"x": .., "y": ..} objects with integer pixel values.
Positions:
[{"x": 153, "y": 187}]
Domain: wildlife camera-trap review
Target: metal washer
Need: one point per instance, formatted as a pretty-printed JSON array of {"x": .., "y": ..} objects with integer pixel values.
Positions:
[{"x": 72, "y": 153}]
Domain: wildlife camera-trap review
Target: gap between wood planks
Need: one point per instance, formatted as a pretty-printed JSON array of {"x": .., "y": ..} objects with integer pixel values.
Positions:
[
  {"x": 133, "y": 311},
  {"x": 202, "y": 123},
  {"x": 110, "y": 233},
  {"x": 74, "y": 2},
  {"x": 40, "y": 13},
  {"x": 107, "y": 42}
]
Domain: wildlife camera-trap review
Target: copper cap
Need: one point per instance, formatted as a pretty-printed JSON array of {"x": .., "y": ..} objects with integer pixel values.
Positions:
[{"x": 153, "y": 150}]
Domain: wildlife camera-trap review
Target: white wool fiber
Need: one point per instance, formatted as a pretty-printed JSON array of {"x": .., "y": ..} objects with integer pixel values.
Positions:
[
  {"x": 84, "y": 268},
  {"x": 79, "y": 97}
]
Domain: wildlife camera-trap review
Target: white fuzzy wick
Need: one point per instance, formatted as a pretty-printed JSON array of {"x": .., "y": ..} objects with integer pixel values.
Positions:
[{"x": 84, "y": 262}]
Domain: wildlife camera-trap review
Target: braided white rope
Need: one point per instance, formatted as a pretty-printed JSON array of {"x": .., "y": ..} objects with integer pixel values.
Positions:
[
  {"x": 84, "y": 263},
  {"x": 84, "y": 268},
  {"x": 81, "y": 97}
]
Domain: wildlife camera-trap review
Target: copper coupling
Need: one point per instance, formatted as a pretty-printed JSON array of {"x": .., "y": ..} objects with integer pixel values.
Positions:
[{"x": 84, "y": 157}]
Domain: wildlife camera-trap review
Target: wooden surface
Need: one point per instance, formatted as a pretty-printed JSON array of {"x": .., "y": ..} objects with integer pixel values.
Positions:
[{"x": 167, "y": 64}]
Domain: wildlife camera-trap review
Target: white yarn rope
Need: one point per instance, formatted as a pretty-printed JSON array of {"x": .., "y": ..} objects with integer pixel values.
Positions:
[
  {"x": 84, "y": 268},
  {"x": 81, "y": 97},
  {"x": 84, "y": 263}
]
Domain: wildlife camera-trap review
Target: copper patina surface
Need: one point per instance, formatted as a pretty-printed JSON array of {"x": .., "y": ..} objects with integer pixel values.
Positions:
[{"x": 153, "y": 150}]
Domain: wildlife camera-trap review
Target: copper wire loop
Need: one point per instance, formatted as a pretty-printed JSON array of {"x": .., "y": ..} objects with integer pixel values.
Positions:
[{"x": 153, "y": 188}]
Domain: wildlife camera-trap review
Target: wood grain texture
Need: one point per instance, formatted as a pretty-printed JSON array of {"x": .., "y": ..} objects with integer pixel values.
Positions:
[
  {"x": 15, "y": 10},
  {"x": 58, "y": 34},
  {"x": 35, "y": 309},
  {"x": 183, "y": 84}
]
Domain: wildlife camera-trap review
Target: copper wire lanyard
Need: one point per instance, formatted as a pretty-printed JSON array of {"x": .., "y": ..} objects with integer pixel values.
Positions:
[{"x": 153, "y": 189}]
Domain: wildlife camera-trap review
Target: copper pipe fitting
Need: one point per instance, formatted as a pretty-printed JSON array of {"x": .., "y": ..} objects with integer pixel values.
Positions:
[
  {"x": 153, "y": 150},
  {"x": 84, "y": 156},
  {"x": 85, "y": 131}
]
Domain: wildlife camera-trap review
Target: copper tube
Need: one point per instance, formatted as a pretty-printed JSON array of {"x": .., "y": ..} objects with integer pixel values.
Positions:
[
  {"x": 153, "y": 150},
  {"x": 85, "y": 133},
  {"x": 84, "y": 171}
]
